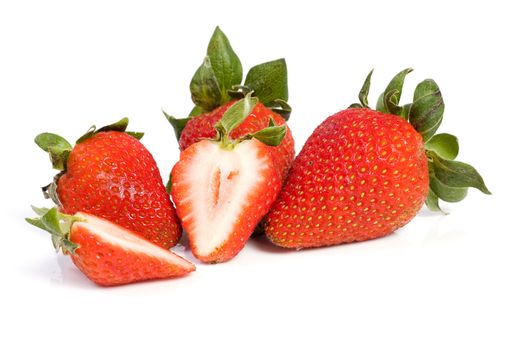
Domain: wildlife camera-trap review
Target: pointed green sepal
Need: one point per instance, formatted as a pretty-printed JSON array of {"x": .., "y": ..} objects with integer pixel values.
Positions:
[
  {"x": 204, "y": 87},
  {"x": 427, "y": 109},
  {"x": 363, "y": 94},
  {"x": 445, "y": 145},
  {"x": 236, "y": 114},
  {"x": 119, "y": 126},
  {"x": 457, "y": 174},
  {"x": 269, "y": 81},
  {"x": 444, "y": 192},
  {"x": 177, "y": 124},
  {"x": 196, "y": 110},
  {"x": 57, "y": 147},
  {"x": 58, "y": 225},
  {"x": 432, "y": 201},
  {"x": 225, "y": 63},
  {"x": 280, "y": 107},
  {"x": 271, "y": 136},
  {"x": 389, "y": 100},
  {"x": 169, "y": 185}
]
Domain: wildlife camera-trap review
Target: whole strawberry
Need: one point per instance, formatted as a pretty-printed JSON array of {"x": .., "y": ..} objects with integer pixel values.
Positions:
[
  {"x": 110, "y": 174},
  {"x": 108, "y": 254},
  {"x": 364, "y": 173},
  {"x": 216, "y": 86},
  {"x": 222, "y": 187}
]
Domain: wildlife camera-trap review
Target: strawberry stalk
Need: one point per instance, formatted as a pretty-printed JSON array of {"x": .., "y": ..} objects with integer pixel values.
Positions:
[
  {"x": 218, "y": 80},
  {"x": 449, "y": 179}
]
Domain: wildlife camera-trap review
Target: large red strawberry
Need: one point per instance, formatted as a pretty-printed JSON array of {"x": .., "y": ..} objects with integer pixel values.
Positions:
[
  {"x": 364, "y": 173},
  {"x": 222, "y": 187},
  {"x": 109, "y": 173},
  {"x": 108, "y": 254},
  {"x": 216, "y": 86}
]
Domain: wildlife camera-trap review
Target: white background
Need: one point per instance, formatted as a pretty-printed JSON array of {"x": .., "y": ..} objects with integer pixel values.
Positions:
[{"x": 442, "y": 282}]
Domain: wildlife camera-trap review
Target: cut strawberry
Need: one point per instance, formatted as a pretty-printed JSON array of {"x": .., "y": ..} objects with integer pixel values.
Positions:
[
  {"x": 109, "y": 254},
  {"x": 223, "y": 188}
]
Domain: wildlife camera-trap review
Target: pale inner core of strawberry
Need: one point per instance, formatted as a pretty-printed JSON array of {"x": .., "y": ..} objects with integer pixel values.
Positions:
[{"x": 219, "y": 182}]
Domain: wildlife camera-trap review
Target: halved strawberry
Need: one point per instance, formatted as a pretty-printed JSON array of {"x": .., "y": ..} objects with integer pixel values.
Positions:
[
  {"x": 222, "y": 188},
  {"x": 108, "y": 254}
]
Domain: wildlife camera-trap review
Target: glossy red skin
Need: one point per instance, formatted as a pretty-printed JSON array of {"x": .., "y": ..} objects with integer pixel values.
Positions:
[
  {"x": 257, "y": 204},
  {"x": 202, "y": 127},
  {"x": 113, "y": 176},
  {"x": 361, "y": 175},
  {"x": 110, "y": 265}
]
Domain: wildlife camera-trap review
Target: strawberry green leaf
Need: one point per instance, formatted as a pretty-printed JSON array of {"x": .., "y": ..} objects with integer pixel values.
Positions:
[
  {"x": 225, "y": 63},
  {"x": 58, "y": 225},
  {"x": 205, "y": 88},
  {"x": 380, "y": 106},
  {"x": 169, "y": 185},
  {"x": 280, "y": 107},
  {"x": 177, "y": 124},
  {"x": 57, "y": 147},
  {"x": 432, "y": 201},
  {"x": 405, "y": 111},
  {"x": 392, "y": 95},
  {"x": 46, "y": 140},
  {"x": 271, "y": 136},
  {"x": 39, "y": 211},
  {"x": 445, "y": 145},
  {"x": 236, "y": 114},
  {"x": 119, "y": 126},
  {"x": 269, "y": 81},
  {"x": 444, "y": 192},
  {"x": 196, "y": 111},
  {"x": 363, "y": 94},
  {"x": 427, "y": 109},
  {"x": 457, "y": 174}
]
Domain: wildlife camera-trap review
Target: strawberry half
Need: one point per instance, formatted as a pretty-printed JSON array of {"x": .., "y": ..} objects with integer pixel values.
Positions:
[
  {"x": 364, "y": 173},
  {"x": 108, "y": 254},
  {"x": 216, "y": 86},
  {"x": 222, "y": 188},
  {"x": 110, "y": 174}
]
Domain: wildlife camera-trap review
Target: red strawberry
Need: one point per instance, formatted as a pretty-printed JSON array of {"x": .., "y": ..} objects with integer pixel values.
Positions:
[
  {"x": 215, "y": 87},
  {"x": 109, "y": 254},
  {"x": 110, "y": 174},
  {"x": 202, "y": 127},
  {"x": 222, "y": 188},
  {"x": 363, "y": 173}
]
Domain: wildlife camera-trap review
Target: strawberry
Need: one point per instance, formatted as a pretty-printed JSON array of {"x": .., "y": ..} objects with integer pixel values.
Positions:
[
  {"x": 108, "y": 254},
  {"x": 202, "y": 127},
  {"x": 110, "y": 174},
  {"x": 364, "y": 173},
  {"x": 216, "y": 86},
  {"x": 223, "y": 187}
]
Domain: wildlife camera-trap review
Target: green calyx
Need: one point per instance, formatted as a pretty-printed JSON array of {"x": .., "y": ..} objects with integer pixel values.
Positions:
[
  {"x": 235, "y": 115},
  {"x": 58, "y": 225},
  {"x": 449, "y": 179},
  {"x": 59, "y": 150},
  {"x": 219, "y": 80}
]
